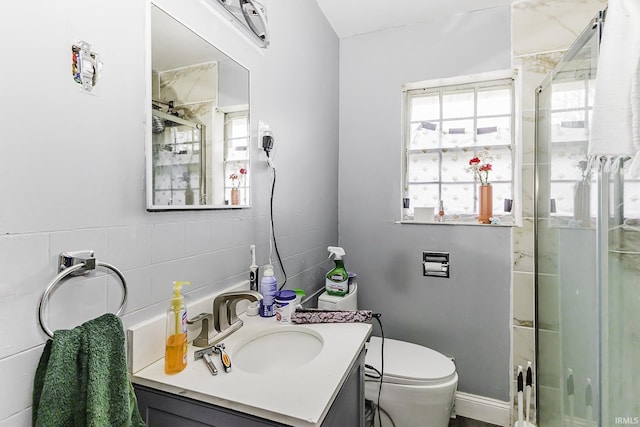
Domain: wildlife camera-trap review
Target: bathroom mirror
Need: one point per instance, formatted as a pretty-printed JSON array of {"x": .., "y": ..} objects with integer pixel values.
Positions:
[{"x": 198, "y": 136}]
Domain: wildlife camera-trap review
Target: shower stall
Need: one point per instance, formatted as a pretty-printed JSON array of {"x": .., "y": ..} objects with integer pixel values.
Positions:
[
  {"x": 587, "y": 243},
  {"x": 179, "y": 160}
]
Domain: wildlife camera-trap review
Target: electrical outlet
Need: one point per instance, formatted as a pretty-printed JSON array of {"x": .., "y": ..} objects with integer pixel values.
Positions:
[{"x": 262, "y": 129}]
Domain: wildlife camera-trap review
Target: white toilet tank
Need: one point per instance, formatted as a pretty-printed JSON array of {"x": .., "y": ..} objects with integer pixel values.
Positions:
[{"x": 331, "y": 302}]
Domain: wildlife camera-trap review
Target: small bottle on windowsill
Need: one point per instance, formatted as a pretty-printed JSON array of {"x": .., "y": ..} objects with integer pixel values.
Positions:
[
  {"x": 441, "y": 212},
  {"x": 405, "y": 209}
]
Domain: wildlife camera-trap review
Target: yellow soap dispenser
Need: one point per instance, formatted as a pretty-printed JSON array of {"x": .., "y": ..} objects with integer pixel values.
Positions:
[{"x": 175, "y": 357}]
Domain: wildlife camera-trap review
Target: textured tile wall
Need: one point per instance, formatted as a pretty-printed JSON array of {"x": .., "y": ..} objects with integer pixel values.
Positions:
[{"x": 542, "y": 30}]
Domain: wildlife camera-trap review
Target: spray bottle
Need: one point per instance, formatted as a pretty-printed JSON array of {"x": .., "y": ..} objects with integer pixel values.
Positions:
[
  {"x": 337, "y": 282},
  {"x": 175, "y": 357}
]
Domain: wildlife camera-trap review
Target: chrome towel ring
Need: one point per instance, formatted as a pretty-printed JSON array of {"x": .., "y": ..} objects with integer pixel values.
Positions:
[{"x": 75, "y": 264}]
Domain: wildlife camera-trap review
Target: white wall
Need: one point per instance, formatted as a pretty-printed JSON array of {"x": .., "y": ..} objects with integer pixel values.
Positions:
[
  {"x": 468, "y": 315},
  {"x": 73, "y": 166},
  {"x": 233, "y": 88}
]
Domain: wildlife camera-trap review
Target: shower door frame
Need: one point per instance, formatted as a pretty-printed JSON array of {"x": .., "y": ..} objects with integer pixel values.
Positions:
[{"x": 602, "y": 216}]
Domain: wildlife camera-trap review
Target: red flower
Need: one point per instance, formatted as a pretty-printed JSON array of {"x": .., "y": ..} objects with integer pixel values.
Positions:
[
  {"x": 480, "y": 167},
  {"x": 235, "y": 179}
]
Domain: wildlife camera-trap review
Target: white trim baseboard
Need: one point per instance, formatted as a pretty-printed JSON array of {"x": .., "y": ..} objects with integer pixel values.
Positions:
[{"x": 483, "y": 409}]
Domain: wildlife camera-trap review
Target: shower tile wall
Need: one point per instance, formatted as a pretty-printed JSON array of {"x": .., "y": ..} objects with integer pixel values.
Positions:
[
  {"x": 624, "y": 340},
  {"x": 541, "y": 32},
  {"x": 198, "y": 105}
]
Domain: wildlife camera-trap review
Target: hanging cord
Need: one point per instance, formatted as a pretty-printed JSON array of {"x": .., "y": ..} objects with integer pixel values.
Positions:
[
  {"x": 370, "y": 411},
  {"x": 380, "y": 372},
  {"x": 272, "y": 229}
]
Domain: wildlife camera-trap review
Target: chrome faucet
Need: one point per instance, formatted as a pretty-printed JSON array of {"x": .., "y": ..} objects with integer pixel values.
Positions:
[{"x": 225, "y": 319}]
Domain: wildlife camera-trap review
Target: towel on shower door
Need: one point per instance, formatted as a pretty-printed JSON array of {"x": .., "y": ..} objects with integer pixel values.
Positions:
[
  {"x": 82, "y": 380},
  {"x": 615, "y": 124}
]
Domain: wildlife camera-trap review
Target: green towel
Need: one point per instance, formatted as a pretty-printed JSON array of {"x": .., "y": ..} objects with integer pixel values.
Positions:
[{"x": 81, "y": 379}]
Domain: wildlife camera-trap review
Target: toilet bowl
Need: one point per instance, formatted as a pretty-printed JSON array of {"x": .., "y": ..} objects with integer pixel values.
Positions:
[
  {"x": 418, "y": 383},
  {"x": 418, "y": 387}
]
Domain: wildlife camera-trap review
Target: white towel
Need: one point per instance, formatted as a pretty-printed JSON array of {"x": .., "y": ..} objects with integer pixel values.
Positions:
[{"x": 615, "y": 125}]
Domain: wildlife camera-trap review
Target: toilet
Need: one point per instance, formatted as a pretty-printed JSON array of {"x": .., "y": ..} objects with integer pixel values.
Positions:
[{"x": 419, "y": 384}]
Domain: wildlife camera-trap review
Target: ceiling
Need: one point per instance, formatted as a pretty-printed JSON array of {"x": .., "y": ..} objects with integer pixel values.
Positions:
[{"x": 353, "y": 17}]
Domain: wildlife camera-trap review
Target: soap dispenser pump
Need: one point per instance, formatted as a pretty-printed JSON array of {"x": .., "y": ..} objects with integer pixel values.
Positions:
[
  {"x": 175, "y": 357},
  {"x": 337, "y": 282}
]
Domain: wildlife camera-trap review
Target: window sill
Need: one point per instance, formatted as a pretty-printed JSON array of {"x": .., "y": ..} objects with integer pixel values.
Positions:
[{"x": 505, "y": 222}]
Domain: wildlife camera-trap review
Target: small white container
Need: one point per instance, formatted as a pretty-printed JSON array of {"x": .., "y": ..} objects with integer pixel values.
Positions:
[
  {"x": 285, "y": 305},
  {"x": 423, "y": 214}
]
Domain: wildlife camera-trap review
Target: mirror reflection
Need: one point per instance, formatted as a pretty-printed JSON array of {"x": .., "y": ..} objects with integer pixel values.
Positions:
[{"x": 198, "y": 152}]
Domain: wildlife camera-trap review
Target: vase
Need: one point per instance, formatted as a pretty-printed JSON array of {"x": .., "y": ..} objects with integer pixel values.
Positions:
[
  {"x": 235, "y": 196},
  {"x": 188, "y": 195},
  {"x": 582, "y": 202},
  {"x": 486, "y": 204}
]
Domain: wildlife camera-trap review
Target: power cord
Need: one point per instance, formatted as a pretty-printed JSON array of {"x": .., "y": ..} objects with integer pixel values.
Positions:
[
  {"x": 273, "y": 232},
  {"x": 380, "y": 372},
  {"x": 370, "y": 410}
]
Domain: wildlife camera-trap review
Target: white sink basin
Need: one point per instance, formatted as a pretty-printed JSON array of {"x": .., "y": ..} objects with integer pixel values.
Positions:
[{"x": 277, "y": 349}]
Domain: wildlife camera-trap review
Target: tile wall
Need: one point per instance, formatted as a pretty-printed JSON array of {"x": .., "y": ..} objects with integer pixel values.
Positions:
[
  {"x": 81, "y": 172},
  {"x": 542, "y": 30}
]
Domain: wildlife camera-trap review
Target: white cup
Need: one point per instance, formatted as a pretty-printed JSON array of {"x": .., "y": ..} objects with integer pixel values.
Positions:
[{"x": 423, "y": 214}]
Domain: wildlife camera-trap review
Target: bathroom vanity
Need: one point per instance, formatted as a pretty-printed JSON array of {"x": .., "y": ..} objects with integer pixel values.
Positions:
[
  {"x": 160, "y": 408},
  {"x": 282, "y": 375}
]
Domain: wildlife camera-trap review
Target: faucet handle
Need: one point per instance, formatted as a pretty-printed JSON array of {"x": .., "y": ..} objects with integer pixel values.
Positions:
[
  {"x": 202, "y": 340},
  {"x": 224, "y": 307}
]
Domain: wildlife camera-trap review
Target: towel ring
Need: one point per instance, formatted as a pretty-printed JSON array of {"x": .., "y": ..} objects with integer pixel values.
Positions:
[{"x": 76, "y": 263}]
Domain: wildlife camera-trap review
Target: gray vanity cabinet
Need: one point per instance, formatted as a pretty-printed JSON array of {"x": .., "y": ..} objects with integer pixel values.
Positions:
[{"x": 162, "y": 409}]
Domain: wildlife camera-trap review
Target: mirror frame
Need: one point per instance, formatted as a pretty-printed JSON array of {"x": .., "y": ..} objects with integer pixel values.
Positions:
[{"x": 149, "y": 166}]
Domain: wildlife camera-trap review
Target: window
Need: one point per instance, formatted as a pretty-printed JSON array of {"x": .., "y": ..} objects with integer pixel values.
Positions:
[
  {"x": 445, "y": 126},
  {"x": 236, "y": 155},
  {"x": 573, "y": 188}
]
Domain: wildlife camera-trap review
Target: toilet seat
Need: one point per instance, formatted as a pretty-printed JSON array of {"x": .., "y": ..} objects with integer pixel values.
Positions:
[{"x": 409, "y": 364}]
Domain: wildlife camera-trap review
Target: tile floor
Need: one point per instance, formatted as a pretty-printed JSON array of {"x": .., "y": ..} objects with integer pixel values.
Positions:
[{"x": 466, "y": 422}]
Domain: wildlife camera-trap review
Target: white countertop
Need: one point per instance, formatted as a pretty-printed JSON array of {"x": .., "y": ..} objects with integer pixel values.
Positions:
[{"x": 299, "y": 397}]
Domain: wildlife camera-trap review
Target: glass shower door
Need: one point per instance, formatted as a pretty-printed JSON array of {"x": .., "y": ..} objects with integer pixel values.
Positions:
[
  {"x": 587, "y": 259},
  {"x": 620, "y": 341},
  {"x": 567, "y": 297}
]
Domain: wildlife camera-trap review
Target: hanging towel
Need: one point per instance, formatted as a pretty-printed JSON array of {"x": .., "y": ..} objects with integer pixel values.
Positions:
[
  {"x": 615, "y": 126},
  {"x": 81, "y": 379}
]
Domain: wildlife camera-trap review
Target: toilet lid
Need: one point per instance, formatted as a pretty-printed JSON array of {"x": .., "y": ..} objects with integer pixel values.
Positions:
[{"x": 407, "y": 363}]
